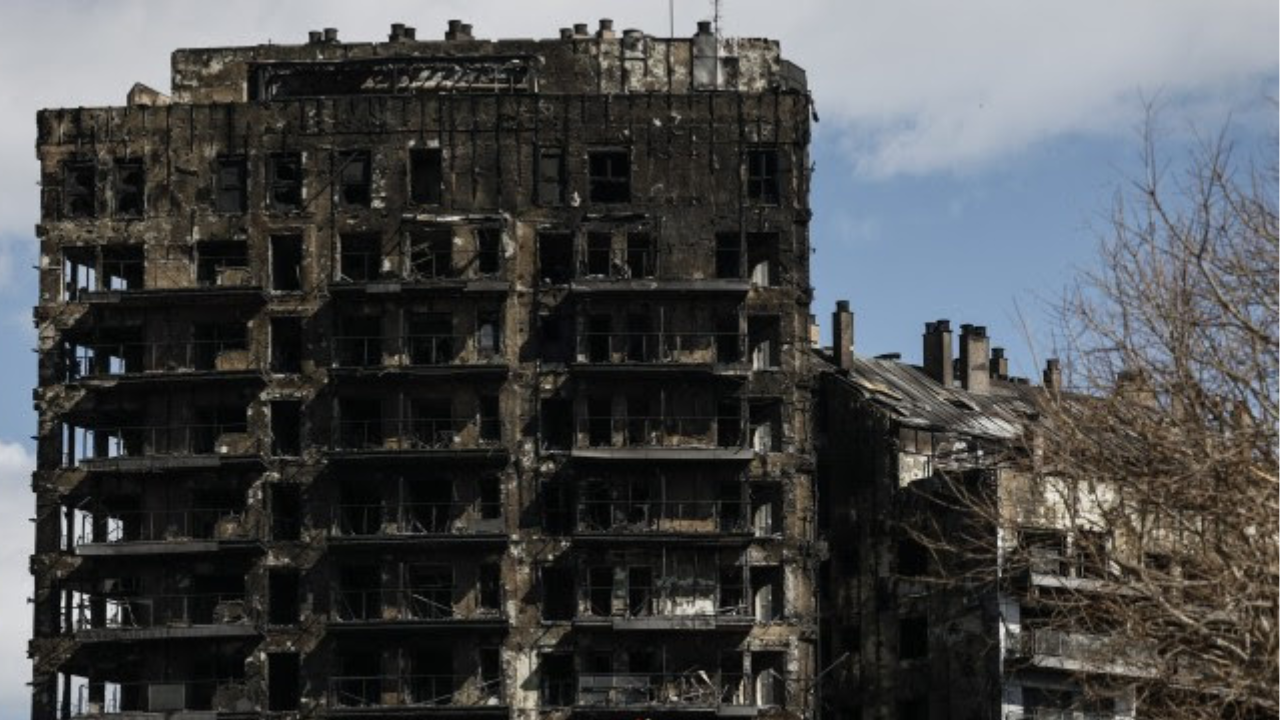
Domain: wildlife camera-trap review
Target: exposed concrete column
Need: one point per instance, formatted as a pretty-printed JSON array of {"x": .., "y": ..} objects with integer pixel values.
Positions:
[
  {"x": 937, "y": 352},
  {"x": 842, "y": 334},
  {"x": 975, "y": 348}
]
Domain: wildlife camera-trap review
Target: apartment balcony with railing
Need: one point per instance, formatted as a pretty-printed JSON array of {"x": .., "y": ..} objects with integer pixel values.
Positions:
[
  {"x": 663, "y": 517},
  {"x": 417, "y": 434},
  {"x": 105, "y": 531},
  {"x": 1076, "y": 652},
  {"x": 645, "y": 349},
  {"x": 120, "y": 272},
  {"x": 709, "y": 436},
  {"x": 481, "y": 351},
  {"x": 408, "y": 692},
  {"x": 402, "y": 607},
  {"x": 365, "y": 523},
  {"x": 88, "y": 362},
  {"x": 120, "y": 445},
  {"x": 158, "y": 698},
  {"x": 693, "y": 690},
  {"x": 139, "y": 617}
]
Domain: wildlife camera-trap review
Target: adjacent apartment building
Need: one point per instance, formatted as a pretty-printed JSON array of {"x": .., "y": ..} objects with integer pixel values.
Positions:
[{"x": 430, "y": 378}]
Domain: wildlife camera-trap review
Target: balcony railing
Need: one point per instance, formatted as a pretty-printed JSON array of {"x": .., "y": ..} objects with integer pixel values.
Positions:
[
  {"x": 414, "y": 350},
  {"x": 442, "y": 518},
  {"x": 161, "y": 440},
  {"x": 158, "y": 697},
  {"x": 411, "y": 434},
  {"x": 693, "y": 689},
  {"x": 670, "y": 516},
  {"x": 404, "y": 604},
  {"x": 633, "y": 263},
  {"x": 371, "y": 691},
  {"x": 657, "y": 347},
  {"x": 655, "y": 432},
  {"x": 112, "y": 359},
  {"x": 152, "y": 611},
  {"x": 106, "y": 527}
]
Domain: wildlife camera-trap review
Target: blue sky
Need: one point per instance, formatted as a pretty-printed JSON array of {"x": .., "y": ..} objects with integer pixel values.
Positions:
[{"x": 965, "y": 156}]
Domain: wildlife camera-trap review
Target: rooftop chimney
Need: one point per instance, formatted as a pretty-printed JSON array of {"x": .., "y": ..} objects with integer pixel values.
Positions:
[
  {"x": 455, "y": 26},
  {"x": 1053, "y": 375},
  {"x": 842, "y": 335},
  {"x": 331, "y": 35},
  {"x": 704, "y": 27},
  {"x": 397, "y": 31},
  {"x": 606, "y": 29},
  {"x": 975, "y": 349},
  {"x": 999, "y": 364},
  {"x": 580, "y": 30},
  {"x": 315, "y": 36},
  {"x": 566, "y": 33},
  {"x": 937, "y": 352},
  {"x": 464, "y": 32}
]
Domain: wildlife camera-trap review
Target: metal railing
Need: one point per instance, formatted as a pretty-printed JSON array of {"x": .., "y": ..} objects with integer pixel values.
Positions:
[
  {"x": 150, "y": 611},
  {"x": 692, "y": 689},
  {"x": 109, "y": 359},
  {"x": 661, "y": 347},
  {"x": 660, "y": 602},
  {"x": 161, "y": 440},
  {"x": 162, "y": 525},
  {"x": 708, "y": 516},
  {"x": 631, "y": 263},
  {"x": 672, "y": 431},
  {"x": 408, "y": 434},
  {"x": 382, "y": 690},
  {"x": 425, "y": 603},
  {"x": 157, "y": 696},
  {"x": 413, "y": 350},
  {"x": 439, "y": 518}
]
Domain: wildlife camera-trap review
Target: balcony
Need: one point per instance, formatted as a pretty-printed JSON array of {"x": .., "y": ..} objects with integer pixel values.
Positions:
[
  {"x": 159, "y": 446},
  {"x": 161, "y": 698},
  {"x": 109, "y": 532},
  {"x": 90, "y": 363},
  {"x": 415, "y": 437},
  {"x": 110, "y": 618},
  {"x": 663, "y": 518},
  {"x": 695, "y": 690},
  {"x": 1077, "y": 652},
  {"x": 409, "y": 522},
  {"x": 419, "y": 354},
  {"x": 431, "y": 263},
  {"x": 660, "y": 351},
  {"x": 376, "y": 694},
  {"x": 401, "y": 608},
  {"x": 657, "y": 438}
]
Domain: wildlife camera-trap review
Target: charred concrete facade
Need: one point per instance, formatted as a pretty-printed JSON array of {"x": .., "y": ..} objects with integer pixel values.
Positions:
[{"x": 428, "y": 378}]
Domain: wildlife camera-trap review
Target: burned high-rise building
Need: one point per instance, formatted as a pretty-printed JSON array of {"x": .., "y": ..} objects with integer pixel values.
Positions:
[{"x": 430, "y": 377}]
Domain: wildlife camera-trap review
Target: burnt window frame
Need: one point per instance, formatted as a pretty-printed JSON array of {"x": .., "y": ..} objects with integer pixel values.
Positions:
[
  {"x": 70, "y": 194},
  {"x": 599, "y": 185},
  {"x": 275, "y": 184},
  {"x": 763, "y": 178},
  {"x": 542, "y": 181},
  {"x": 121, "y": 190},
  {"x": 363, "y": 184},
  {"x": 221, "y": 189},
  {"x": 428, "y": 194}
]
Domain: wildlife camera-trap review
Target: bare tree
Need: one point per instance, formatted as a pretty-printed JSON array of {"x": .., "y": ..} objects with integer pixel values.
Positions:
[{"x": 1153, "y": 474}]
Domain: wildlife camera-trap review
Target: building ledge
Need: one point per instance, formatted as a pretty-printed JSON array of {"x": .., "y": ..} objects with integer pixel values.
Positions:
[
  {"x": 408, "y": 624},
  {"x": 176, "y": 632},
  {"x": 702, "y": 287},
  {"x": 162, "y": 547},
  {"x": 663, "y": 453},
  {"x": 667, "y": 623},
  {"x": 355, "y": 541}
]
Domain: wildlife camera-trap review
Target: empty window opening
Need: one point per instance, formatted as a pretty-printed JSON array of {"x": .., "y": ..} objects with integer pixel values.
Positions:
[
  {"x": 429, "y": 336},
  {"x": 214, "y": 346},
  {"x": 425, "y": 176},
  {"x": 430, "y": 591},
  {"x": 286, "y": 345},
  {"x": 431, "y": 423},
  {"x": 556, "y": 424},
  {"x": 600, "y": 591},
  {"x": 913, "y": 558},
  {"x": 360, "y": 423},
  {"x": 490, "y": 590},
  {"x": 729, "y": 423},
  {"x": 555, "y": 257},
  {"x": 79, "y": 189},
  {"x": 550, "y": 177},
  {"x": 643, "y": 426},
  {"x": 79, "y": 271},
  {"x": 286, "y": 428},
  {"x": 360, "y": 512},
  {"x": 490, "y": 420},
  {"x": 359, "y": 341},
  {"x": 286, "y": 263},
  {"x": 355, "y": 668},
  {"x": 284, "y": 181},
  {"x": 359, "y": 593},
  {"x": 913, "y": 637},
  {"x": 610, "y": 176},
  {"x": 642, "y": 341},
  {"x": 490, "y": 491},
  {"x": 354, "y": 177},
  {"x": 431, "y": 253},
  {"x": 599, "y": 338},
  {"x": 123, "y": 268},
  {"x": 770, "y": 677},
  {"x": 231, "y": 182},
  {"x": 766, "y": 510},
  {"x": 559, "y": 594},
  {"x": 733, "y": 600},
  {"x": 599, "y": 254},
  {"x": 1093, "y": 551},
  {"x": 766, "y": 427},
  {"x": 600, "y": 421},
  {"x": 488, "y": 250},
  {"x": 728, "y": 338},
  {"x": 762, "y": 259},
  {"x": 1045, "y": 550},
  {"x": 286, "y": 512},
  {"x": 282, "y": 597},
  {"x": 490, "y": 672},
  {"x": 766, "y": 585},
  {"x": 763, "y": 335},
  {"x": 222, "y": 263},
  {"x": 359, "y": 258},
  {"x": 283, "y": 682},
  {"x": 728, "y": 255},
  {"x": 488, "y": 334},
  {"x": 642, "y": 255},
  {"x": 559, "y": 688},
  {"x": 554, "y": 332},
  {"x": 130, "y": 188},
  {"x": 640, "y": 591},
  {"x": 762, "y": 175}
]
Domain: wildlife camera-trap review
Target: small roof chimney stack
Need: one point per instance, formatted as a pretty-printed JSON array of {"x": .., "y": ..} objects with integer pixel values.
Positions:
[
  {"x": 606, "y": 29},
  {"x": 938, "y": 351},
  {"x": 842, "y": 335},
  {"x": 1053, "y": 375},
  {"x": 975, "y": 349},
  {"x": 999, "y": 364}
]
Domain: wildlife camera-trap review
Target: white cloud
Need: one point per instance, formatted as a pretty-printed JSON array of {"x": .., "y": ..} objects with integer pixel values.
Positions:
[
  {"x": 17, "y": 505},
  {"x": 913, "y": 86}
]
